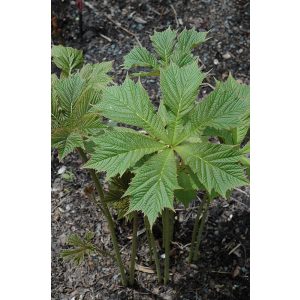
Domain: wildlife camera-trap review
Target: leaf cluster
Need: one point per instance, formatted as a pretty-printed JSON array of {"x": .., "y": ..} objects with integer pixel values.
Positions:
[
  {"x": 72, "y": 98},
  {"x": 172, "y": 155},
  {"x": 169, "y": 46},
  {"x": 80, "y": 247}
]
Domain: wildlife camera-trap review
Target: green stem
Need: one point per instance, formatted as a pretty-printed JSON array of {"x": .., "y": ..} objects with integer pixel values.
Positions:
[
  {"x": 153, "y": 246},
  {"x": 204, "y": 216},
  {"x": 166, "y": 238},
  {"x": 172, "y": 222},
  {"x": 148, "y": 232},
  {"x": 109, "y": 218},
  {"x": 195, "y": 230},
  {"x": 133, "y": 248}
]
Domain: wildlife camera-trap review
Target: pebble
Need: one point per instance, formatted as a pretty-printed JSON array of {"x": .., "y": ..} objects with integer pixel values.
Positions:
[
  {"x": 216, "y": 62},
  {"x": 227, "y": 55}
]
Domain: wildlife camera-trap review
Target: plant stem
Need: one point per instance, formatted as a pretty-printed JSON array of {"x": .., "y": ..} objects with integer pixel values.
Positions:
[
  {"x": 195, "y": 230},
  {"x": 148, "y": 232},
  {"x": 109, "y": 218},
  {"x": 153, "y": 246},
  {"x": 172, "y": 222},
  {"x": 205, "y": 211},
  {"x": 133, "y": 248},
  {"x": 166, "y": 238}
]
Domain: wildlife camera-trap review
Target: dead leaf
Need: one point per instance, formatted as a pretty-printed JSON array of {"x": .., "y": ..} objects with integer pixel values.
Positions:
[
  {"x": 236, "y": 272},
  {"x": 139, "y": 20},
  {"x": 144, "y": 269}
]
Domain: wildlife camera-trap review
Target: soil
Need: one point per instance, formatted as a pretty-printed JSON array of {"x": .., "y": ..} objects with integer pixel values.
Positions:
[{"x": 223, "y": 271}]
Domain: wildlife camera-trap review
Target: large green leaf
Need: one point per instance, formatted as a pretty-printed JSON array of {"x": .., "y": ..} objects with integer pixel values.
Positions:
[
  {"x": 220, "y": 110},
  {"x": 117, "y": 151},
  {"x": 217, "y": 166},
  {"x": 152, "y": 188},
  {"x": 66, "y": 58},
  {"x": 163, "y": 43},
  {"x": 180, "y": 88},
  {"x": 129, "y": 103},
  {"x": 140, "y": 56}
]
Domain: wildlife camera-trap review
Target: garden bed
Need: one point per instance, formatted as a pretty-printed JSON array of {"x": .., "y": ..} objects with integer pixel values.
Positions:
[{"x": 110, "y": 29}]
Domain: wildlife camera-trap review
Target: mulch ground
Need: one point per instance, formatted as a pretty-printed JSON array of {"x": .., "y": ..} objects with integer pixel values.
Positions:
[{"x": 110, "y": 30}]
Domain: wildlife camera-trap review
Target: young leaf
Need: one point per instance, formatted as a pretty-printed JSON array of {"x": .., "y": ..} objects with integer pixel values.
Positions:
[
  {"x": 215, "y": 165},
  {"x": 163, "y": 43},
  {"x": 188, "y": 191},
  {"x": 67, "y": 144},
  {"x": 130, "y": 104},
  {"x": 152, "y": 188},
  {"x": 80, "y": 247},
  {"x": 96, "y": 75},
  {"x": 117, "y": 187},
  {"x": 66, "y": 58},
  {"x": 140, "y": 56},
  {"x": 118, "y": 151},
  {"x": 189, "y": 39}
]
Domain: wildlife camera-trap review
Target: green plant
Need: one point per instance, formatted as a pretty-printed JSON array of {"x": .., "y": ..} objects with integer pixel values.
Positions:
[
  {"x": 163, "y": 155},
  {"x": 168, "y": 48},
  {"x": 173, "y": 141},
  {"x": 73, "y": 120}
]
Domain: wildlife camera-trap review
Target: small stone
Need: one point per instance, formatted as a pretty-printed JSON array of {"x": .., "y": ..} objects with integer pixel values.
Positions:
[
  {"x": 216, "y": 62},
  {"x": 62, "y": 170},
  {"x": 227, "y": 55}
]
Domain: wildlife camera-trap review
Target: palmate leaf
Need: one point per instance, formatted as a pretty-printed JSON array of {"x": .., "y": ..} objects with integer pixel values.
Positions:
[
  {"x": 140, "y": 56},
  {"x": 129, "y": 103},
  {"x": 66, "y": 58},
  {"x": 117, "y": 151},
  {"x": 80, "y": 247},
  {"x": 152, "y": 188},
  {"x": 215, "y": 165},
  {"x": 163, "y": 43}
]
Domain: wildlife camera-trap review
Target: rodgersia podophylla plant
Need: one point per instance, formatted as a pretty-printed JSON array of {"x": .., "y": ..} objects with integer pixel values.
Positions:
[
  {"x": 164, "y": 155},
  {"x": 172, "y": 156}
]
